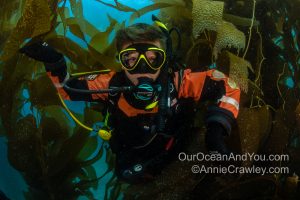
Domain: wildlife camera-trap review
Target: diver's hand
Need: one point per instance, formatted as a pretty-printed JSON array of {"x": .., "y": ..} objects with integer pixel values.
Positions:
[
  {"x": 41, "y": 51},
  {"x": 214, "y": 138}
]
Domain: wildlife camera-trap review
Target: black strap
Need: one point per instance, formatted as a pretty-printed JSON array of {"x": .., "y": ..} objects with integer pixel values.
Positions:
[{"x": 180, "y": 76}]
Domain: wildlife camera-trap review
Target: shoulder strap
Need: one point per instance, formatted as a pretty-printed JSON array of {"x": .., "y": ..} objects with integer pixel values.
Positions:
[{"x": 180, "y": 76}]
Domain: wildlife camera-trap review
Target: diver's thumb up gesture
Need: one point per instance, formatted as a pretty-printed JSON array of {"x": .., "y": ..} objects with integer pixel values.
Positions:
[{"x": 41, "y": 51}]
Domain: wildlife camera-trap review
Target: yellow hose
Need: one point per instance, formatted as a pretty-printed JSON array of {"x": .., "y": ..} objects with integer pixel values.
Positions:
[
  {"x": 73, "y": 117},
  {"x": 103, "y": 133}
]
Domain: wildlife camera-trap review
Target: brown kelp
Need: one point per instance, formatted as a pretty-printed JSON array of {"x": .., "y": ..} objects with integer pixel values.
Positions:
[
  {"x": 11, "y": 12},
  {"x": 35, "y": 21},
  {"x": 238, "y": 68},
  {"x": 207, "y": 16},
  {"x": 43, "y": 144},
  {"x": 256, "y": 43}
]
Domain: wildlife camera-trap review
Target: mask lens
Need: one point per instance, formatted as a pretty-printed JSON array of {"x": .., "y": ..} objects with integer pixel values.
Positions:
[
  {"x": 129, "y": 58},
  {"x": 155, "y": 58}
]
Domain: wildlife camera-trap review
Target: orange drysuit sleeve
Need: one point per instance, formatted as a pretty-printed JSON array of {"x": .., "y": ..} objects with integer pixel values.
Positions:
[
  {"x": 193, "y": 86},
  {"x": 91, "y": 82}
]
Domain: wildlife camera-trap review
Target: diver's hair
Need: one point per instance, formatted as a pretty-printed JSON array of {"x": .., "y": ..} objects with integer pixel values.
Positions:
[{"x": 138, "y": 33}]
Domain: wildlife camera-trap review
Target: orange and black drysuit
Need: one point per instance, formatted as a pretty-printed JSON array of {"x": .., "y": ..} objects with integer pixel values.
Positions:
[
  {"x": 134, "y": 127},
  {"x": 134, "y": 139},
  {"x": 200, "y": 86}
]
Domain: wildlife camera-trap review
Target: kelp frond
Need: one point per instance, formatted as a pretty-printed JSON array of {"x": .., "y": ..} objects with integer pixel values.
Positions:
[
  {"x": 206, "y": 15},
  {"x": 35, "y": 21},
  {"x": 239, "y": 70},
  {"x": 228, "y": 36}
]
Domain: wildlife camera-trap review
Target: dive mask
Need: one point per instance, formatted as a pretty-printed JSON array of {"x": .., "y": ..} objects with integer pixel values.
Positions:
[{"x": 140, "y": 53}]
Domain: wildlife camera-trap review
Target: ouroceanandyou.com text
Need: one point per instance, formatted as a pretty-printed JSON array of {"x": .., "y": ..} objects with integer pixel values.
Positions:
[
  {"x": 200, "y": 156},
  {"x": 232, "y": 169}
]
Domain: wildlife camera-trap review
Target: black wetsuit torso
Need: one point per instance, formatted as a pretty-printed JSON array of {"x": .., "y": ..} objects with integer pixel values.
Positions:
[{"x": 135, "y": 140}]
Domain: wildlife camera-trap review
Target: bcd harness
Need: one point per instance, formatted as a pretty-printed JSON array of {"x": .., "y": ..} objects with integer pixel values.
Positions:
[{"x": 133, "y": 119}]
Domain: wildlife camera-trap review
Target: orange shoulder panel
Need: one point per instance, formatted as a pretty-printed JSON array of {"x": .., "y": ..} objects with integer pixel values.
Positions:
[
  {"x": 191, "y": 84},
  {"x": 100, "y": 82}
]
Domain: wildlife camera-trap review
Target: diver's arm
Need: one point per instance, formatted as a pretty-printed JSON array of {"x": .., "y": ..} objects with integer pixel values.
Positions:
[
  {"x": 225, "y": 92},
  {"x": 220, "y": 118},
  {"x": 91, "y": 82},
  {"x": 58, "y": 74},
  {"x": 56, "y": 68},
  {"x": 213, "y": 85},
  {"x": 209, "y": 85}
]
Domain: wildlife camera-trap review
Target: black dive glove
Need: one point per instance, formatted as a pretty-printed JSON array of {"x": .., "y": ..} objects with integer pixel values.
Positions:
[
  {"x": 214, "y": 138},
  {"x": 41, "y": 51},
  {"x": 218, "y": 123},
  {"x": 54, "y": 61}
]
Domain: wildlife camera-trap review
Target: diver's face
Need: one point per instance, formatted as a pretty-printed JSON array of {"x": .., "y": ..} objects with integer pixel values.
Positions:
[{"x": 134, "y": 75}]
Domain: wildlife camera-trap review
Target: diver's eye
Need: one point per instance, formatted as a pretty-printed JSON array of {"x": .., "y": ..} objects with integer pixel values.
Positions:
[
  {"x": 131, "y": 61},
  {"x": 151, "y": 59},
  {"x": 129, "y": 58},
  {"x": 151, "y": 56}
]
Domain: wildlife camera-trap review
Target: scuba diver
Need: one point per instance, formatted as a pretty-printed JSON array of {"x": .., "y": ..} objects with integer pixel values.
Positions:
[{"x": 148, "y": 102}]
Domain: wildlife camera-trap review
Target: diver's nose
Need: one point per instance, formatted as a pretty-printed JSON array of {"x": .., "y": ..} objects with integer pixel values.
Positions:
[{"x": 143, "y": 68}]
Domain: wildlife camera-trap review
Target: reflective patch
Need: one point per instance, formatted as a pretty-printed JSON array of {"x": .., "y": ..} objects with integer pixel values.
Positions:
[
  {"x": 173, "y": 102},
  {"x": 218, "y": 74},
  {"x": 91, "y": 77},
  {"x": 231, "y": 101},
  {"x": 232, "y": 83}
]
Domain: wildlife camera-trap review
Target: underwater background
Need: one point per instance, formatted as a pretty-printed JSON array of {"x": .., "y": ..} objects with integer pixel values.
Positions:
[{"x": 44, "y": 154}]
